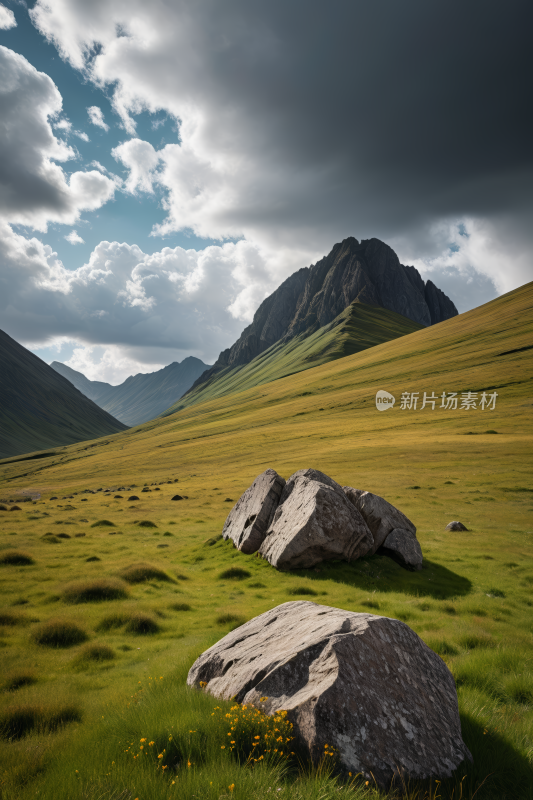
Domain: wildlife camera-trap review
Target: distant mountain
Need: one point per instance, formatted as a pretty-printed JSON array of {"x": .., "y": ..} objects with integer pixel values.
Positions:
[
  {"x": 369, "y": 272},
  {"x": 141, "y": 397},
  {"x": 39, "y": 409},
  {"x": 357, "y": 328}
]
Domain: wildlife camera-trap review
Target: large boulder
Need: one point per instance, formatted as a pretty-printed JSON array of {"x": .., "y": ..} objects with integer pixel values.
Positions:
[
  {"x": 403, "y": 547},
  {"x": 380, "y": 516},
  {"x": 248, "y": 520},
  {"x": 314, "y": 522},
  {"x": 365, "y": 684}
]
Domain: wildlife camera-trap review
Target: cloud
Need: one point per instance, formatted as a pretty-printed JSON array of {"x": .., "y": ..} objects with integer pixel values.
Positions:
[
  {"x": 157, "y": 307},
  {"x": 74, "y": 238},
  {"x": 349, "y": 120},
  {"x": 96, "y": 116},
  {"x": 34, "y": 189},
  {"x": 142, "y": 160},
  {"x": 81, "y": 135},
  {"x": 7, "y": 18},
  {"x": 110, "y": 364}
]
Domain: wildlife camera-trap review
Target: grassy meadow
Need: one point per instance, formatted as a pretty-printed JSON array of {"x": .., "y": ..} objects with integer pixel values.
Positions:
[{"x": 106, "y": 601}]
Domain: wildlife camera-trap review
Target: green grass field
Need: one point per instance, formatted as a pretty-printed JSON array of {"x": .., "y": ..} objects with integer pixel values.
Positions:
[{"x": 107, "y": 602}]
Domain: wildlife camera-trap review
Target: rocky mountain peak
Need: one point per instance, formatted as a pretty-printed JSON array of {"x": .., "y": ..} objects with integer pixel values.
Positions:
[{"x": 368, "y": 271}]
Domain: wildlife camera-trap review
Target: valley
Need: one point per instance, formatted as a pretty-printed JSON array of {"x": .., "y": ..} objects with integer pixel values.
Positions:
[{"x": 87, "y": 702}]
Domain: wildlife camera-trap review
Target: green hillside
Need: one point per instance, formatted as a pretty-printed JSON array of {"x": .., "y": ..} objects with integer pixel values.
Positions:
[
  {"x": 107, "y": 602},
  {"x": 358, "y": 327},
  {"x": 41, "y": 409}
]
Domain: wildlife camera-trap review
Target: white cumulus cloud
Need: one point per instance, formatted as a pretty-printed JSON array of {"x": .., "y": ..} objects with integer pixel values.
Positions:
[
  {"x": 96, "y": 116},
  {"x": 74, "y": 238},
  {"x": 7, "y": 18},
  {"x": 34, "y": 189}
]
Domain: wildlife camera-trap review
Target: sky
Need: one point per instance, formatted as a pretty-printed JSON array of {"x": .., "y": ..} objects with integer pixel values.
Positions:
[{"x": 164, "y": 166}]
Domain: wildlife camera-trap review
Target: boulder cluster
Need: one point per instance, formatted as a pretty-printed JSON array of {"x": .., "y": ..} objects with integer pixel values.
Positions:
[{"x": 310, "y": 518}]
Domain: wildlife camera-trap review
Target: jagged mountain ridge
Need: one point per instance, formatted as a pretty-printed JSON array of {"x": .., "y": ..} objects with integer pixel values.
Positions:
[
  {"x": 41, "y": 409},
  {"x": 368, "y": 271},
  {"x": 140, "y": 397}
]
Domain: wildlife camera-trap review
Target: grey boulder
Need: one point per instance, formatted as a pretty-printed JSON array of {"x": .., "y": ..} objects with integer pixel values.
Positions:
[
  {"x": 403, "y": 547},
  {"x": 380, "y": 516},
  {"x": 455, "y": 526},
  {"x": 314, "y": 522},
  {"x": 248, "y": 520},
  {"x": 365, "y": 684}
]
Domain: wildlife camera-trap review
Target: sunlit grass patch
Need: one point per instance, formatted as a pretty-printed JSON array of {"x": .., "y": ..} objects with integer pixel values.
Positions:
[
  {"x": 138, "y": 573},
  {"x": 93, "y": 591},
  {"x": 59, "y": 633},
  {"x": 17, "y": 721},
  {"x": 16, "y": 558}
]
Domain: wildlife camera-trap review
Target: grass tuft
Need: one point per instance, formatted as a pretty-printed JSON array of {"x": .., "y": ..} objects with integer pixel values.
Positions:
[
  {"x": 103, "y": 523},
  {"x": 146, "y": 523},
  {"x": 180, "y": 607},
  {"x": 95, "y": 591},
  {"x": 133, "y": 622},
  {"x": 20, "y": 720},
  {"x": 138, "y": 573},
  {"x": 19, "y": 678},
  {"x": 59, "y": 633},
  {"x": 226, "y": 619},
  {"x": 302, "y": 590},
  {"x": 234, "y": 573},
  {"x": 94, "y": 653},
  {"x": 16, "y": 558}
]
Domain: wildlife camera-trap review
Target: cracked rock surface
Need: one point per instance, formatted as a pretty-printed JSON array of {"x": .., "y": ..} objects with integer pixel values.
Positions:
[
  {"x": 365, "y": 684},
  {"x": 380, "y": 515},
  {"x": 248, "y": 520},
  {"x": 314, "y": 522}
]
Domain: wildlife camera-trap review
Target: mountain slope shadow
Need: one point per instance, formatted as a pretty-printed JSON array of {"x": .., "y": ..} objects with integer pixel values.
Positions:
[{"x": 383, "y": 574}]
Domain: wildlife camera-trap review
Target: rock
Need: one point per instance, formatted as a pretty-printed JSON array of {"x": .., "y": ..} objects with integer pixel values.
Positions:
[
  {"x": 250, "y": 517},
  {"x": 177, "y": 497},
  {"x": 364, "y": 684},
  {"x": 380, "y": 516},
  {"x": 455, "y": 526},
  {"x": 403, "y": 547},
  {"x": 133, "y": 497},
  {"x": 314, "y": 522}
]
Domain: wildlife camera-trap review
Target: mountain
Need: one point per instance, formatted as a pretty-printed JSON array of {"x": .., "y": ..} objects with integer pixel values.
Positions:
[
  {"x": 41, "y": 409},
  {"x": 357, "y": 328},
  {"x": 366, "y": 272},
  {"x": 141, "y": 397}
]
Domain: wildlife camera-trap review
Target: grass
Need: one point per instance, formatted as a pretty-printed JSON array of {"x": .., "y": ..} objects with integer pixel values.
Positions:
[
  {"x": 452, "y": 603},
  {"x": 16, "y": 558},
  {"x": 59, "y": 633},
  {"x": 94, "y": 591},
  {"x": 138, "y": 573},
  {"x": 94, "y": 653},
  {"x": 17, "y": 721}
]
